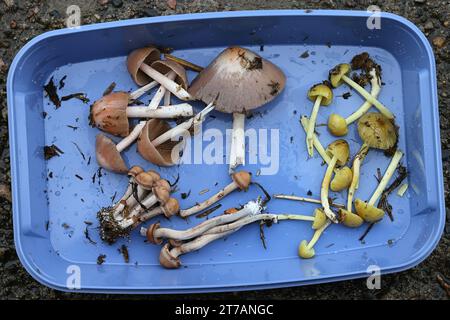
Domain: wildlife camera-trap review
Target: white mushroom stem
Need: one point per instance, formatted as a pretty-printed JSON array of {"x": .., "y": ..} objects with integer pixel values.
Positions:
[
  {"x": 237, "y": 149},
  {"x": 375, "y": 82},
  {"x": 159, "y": 95},
  {"x": 183, "y": 127},
  {"x": 317, "y": 235},
  {"x": 312, "y": 125},
  {"x": 174, "y": 111},
  {"x": 385, "y": 111},
  {"x": 386, "y": 177},
  {"x": 132, "y": 201},
  {"x": 134, "y": 134},
  {"x": 170, "y": 85},
  {"x": 324, "y": 190},
  {"x": 147, "y": 202},
  {"x": 251, "y": 208},
  {"x": 167, "y": 98},
  {"x": 356, "y": 173},
  {"x": 139, "y": 92},
  {"x": 151, "y": 214},
  {"x": 207, "y": 203},
  {"x": 120, "y": 205},
  {"x": 303, "y": 199}
]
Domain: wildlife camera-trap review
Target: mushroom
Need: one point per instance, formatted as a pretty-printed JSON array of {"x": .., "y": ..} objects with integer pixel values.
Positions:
[
  {"x": 338, "y": 75},
  {"x": 304, "y": 199},
  {"x": 306, "y": 249},
  {"x": 240, "y": 80},
  {"x": 122, "y": 203},
  {"x": 359, "y": 157},
  {"x": 139, "y": 63},
  {"x": 155, "y": 141},
  {"x": 159, "y": 194},
  {"x": 343, "y": 176},
  {"x": 168, "y": 209},
  {"x": 108, "y": 154},
  {"x": 321, "y": 94},
  {"x": 339, "y": 152},
  {"x": 241, "y": 180},
  {"x": 367, "y": 210}
]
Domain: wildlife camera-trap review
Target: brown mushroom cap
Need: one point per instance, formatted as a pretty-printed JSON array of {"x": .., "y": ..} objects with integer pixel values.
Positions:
[
  {"x": 150, "y": 234},
  {"x": 109, "y": 113},
  {"x": 154, "y": 174},
  {"x": 164, "y": 66},
  {"x": 340, "y": 149},
  {"x": 162, "y": 154},
  {"x": 134, "y": 171},
  {"x": 242, "y": 179},
  {"x": 167, "y": 260},
  {"x": 162, "y": 183},
  {"x": 377, "y": 131},
  {"x": 336, "y": 74},
  {"x": 171, "y": 207},
  {"x": 145, "y": 180},
  {"x": 145, "y": 55},
  {"x": 321, "y": 90},
  {"x": 239, "y": 80},
  {"x": 162, "y": 194},
  {"x": 107, "y": 155}
]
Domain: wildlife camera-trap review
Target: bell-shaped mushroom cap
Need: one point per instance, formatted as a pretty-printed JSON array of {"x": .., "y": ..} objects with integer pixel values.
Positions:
[
  {"x": 377, "y": 131},
  {"x": 161, "y": 155},
  {"x": 151, "y": 232},
  {"x": 242, "y": 179},
  {"x": 304, "y": 251},
  {"x": 337, "y": 125},
  {"x": 134, "y": 171},
  {"x": 368, "y": 212},
  {"x": 339, "y": 149},
  {"x": 167, "y": 260},
  {"x": 162, "y": 183},
  {"x": 162, "y": 194},
  {"x": 135, "y": 59},
  {"x": 342, "y": 179},
  {"x": 349, "y": 219},
  {"x": 321, "y": 90},
  {"x": 145, "y": 180},
  {"x": 107, "y": 155},
  {"x": 319, "y": 219},
  {"x": 164, "y": 66},
  {"x": 109, "y": 114},
  {"x": 171, "y": 207},
  {"x": 335, "y": 75},
  {"x": 154, "y": 174},
  {"x": 239, "y": 80}
]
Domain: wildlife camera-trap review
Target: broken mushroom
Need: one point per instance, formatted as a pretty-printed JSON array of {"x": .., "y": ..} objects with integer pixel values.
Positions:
[{"x": 306, "y": 249}]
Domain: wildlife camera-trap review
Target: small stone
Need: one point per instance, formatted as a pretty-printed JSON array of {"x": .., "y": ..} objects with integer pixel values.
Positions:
[
  {"x": 55, "y": 14},
  {"x": 117, "y": 3},
  {"x": 446, "y": 23},
  {"x": 429, "y": 25},
  {"x": 5, "y": 192},
  {"x": 172, "y": 4},
  {"x": 103, "y": 2},
  {"x": 419, "y": 1},
  {"x": 3, "y": 254},
  {"x": 13, "y": 24},
  {"x": 439, "y": 42},
  {"x": 9, "y": 3},
  {"x": 149, "y": 12}
]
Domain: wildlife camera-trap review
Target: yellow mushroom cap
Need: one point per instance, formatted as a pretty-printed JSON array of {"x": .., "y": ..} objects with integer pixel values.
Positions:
[
  {"x": 339, "y": 149},
  {"x": 321, "y": 90},
  {"x": 304, "y": 252},
  {"x": 350, "y": 219},
  {"x": 368, "y": 212},
  {"x": 377, "y": 131},
  {"x": 337, "y": 72},
  {"x": 342, "y": 179},
  {"x": 319, "y": 219},
  {"x": 337, "y": 125}
]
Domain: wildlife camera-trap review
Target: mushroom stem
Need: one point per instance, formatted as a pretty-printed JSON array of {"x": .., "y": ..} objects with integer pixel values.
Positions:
[
  {"x": 181, "y": 128},
  {"x": 151, "y": 214},
  {"x": 174, "y": 111},
  {"x": 317, "y": 235},
  {"x": 159, "y": 95},
  {"x": 385, "y": 111},
  {"x": 213, "y": 199},
  {"x": 184, "y": 63},
  {"x": 375, "y": 82},
  {"x": 237, "y": 149},
  {"x": 311, "y": 126},
  {"x": 356, "y": 172},
  {"x": 316, "y": 143},
  {"x": 167, "y": 98},
  {"x": 324, "y": 190},
  {"x": 134, "y": 134},
  {"x": 296, "y": 198},
  {"x": 139, "y": 92},
  {"x": 120, "y": 205},
  {"x": 170, "y": 85},
  {"x": 386, "y": 177}
]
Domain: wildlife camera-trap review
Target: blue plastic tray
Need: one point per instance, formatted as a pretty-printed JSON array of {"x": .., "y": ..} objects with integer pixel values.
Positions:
[{"x": 93, "y": 56}]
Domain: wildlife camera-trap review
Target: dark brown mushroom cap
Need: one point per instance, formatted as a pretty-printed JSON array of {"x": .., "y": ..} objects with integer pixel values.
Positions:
[
  {"x": 162, "y": 183},
  {"x": 336, "y": 74},
  {"x": 134, "y": 171},
  {"x": 162, "y": 154},
  {"x": 377, "y": 131},
  {"x": 340, "y": 149},
  {"x": 164, "y": 66},
  {"x": 135, "y": 59},
  {"x": 171, "y": 207},
  {"x": 242, "y": 179},
  {"x": 109, "y": 113},
  {"x": 145, "y": 180},
  {"x": 167, "y": 260},
  {"x": 162, "y": 194},
  {"x": 107, "y": 155},
  {"x": 239, "y": 80},
  {"x": 150, "y": 234}
]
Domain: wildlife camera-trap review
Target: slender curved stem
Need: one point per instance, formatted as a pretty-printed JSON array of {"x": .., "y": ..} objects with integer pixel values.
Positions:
[
  {"x": 356, "y": 173},
  {"x": 159, "y": 95},
  {"x": 134, "y": 134},
  {"x": 324, "y": 190},
  {"x": 296, "y": 198},
  {"x": 312, "y": 125},
  {"x": 317, "y": 235},
  {"x": 316, "y": 142}
]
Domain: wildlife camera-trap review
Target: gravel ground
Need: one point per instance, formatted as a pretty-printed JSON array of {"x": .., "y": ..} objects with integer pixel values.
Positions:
[{"x": 21, "y": 20}]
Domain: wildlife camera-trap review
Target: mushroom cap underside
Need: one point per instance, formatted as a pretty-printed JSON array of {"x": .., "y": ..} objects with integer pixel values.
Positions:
[
  {"x": 242, "y": 179},
  {"x": 171, "y": 207},
  {"x": 109, "y": 113},
  {"x": 107, "y": 155},
  {"x": 336, "y": 74},
  {"x": 165, "y": 66},
  {"x": 139, "y": 56},
  {"x": 167, "y": 260},
  {"x": 339, "y": 149}
]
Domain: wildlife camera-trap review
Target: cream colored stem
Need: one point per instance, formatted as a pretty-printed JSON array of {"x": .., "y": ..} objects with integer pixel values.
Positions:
[
  {"x": 385, "y": 111},
  {"x": 305, "y": 122},
  {"x": 120, "y": 205},
  {"x": 312, "y": 125},
  {"x": 375, "y": 82},
  {"x": 386, "y": 177},
  {"x": 237, "y": 149},
  {"x": 324, "y": 191},
  {"x": 134, "y": 134},
  {"x": 174, "y": 111},
  {"x": 317, "y": 235},
  {"x": 159, "y": 95},
  {"x": 356, "y": 168},
  {"x": 150, "y": 214},
  {"x": 139, "y": 92},
  {"x": 167, "y": 98},
  {"x": 148, "y": 202},
  {"x": 296, "y": 198},
  {"x": 207, "y": 203}
]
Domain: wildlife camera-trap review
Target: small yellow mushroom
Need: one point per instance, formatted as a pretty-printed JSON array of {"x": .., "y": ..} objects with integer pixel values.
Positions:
[
  {"x": 319, "y": 219},
  {"x": 342, "y": 179},
  {"x": 337, "y": 125},
  {"x": 306, "y": 249},
  {"x": 349, "y": 219}
]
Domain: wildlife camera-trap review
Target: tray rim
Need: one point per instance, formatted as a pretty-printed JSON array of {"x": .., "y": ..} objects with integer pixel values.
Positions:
[{"x": 41, "y": 278}]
